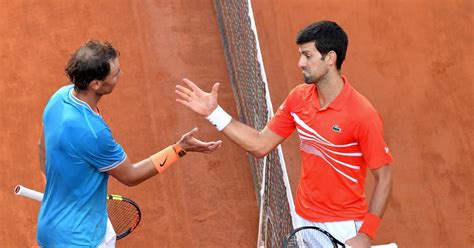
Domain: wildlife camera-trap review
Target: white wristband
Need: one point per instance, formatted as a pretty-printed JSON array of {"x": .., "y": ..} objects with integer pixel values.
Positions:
[{"x": 219, "y": 118}]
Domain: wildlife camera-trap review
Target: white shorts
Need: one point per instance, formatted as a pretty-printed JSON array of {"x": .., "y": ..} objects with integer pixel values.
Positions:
[
  {"x": 110, "y": 237},
  {"x": 341, "y": 230}
]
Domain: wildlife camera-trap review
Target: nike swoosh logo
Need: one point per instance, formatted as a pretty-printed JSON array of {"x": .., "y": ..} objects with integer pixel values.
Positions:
[{"x": 164, "y": 162}]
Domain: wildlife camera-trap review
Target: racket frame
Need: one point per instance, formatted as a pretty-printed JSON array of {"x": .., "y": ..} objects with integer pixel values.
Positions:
[
  {"x": 324, "y": 232},
  {"x": 38, "y": 196},
  {"x": 113, "y": 197}
]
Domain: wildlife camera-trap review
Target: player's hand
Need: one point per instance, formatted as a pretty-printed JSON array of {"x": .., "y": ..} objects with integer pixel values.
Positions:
[
  {"x": 190, "y": 144},
  {"x": 196, "y": 99},
  {"x": 361, "y": 240}
]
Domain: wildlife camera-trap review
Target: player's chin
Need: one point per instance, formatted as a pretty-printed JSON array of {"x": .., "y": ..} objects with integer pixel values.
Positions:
[{"x": 309, "y": 80}]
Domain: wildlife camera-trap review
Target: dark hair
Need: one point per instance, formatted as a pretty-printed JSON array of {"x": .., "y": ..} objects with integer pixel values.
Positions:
[
  {"x": 327, "y": 36},
  {"x": 90, "y": 62}
]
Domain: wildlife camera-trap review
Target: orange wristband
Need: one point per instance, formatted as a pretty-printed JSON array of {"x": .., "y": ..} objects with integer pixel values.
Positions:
[
  {"x": 166, "y": 157},
  {"x": 370, "y": 225}
]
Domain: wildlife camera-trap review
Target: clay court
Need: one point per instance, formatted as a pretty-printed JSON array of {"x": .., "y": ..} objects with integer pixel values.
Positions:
[{"x": 412, "y": 59}]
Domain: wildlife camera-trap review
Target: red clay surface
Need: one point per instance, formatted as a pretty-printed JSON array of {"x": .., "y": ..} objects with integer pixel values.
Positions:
[{"x": 412, "y": 59}]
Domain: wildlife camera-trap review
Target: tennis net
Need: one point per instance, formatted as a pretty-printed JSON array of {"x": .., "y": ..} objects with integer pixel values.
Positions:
[{"x": 249, "y": 85}]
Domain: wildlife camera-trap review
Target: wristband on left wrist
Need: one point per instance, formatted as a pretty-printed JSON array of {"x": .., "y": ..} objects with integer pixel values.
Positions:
[
  {"x": 166, "y": 157},
  {"x": 179, "y": 150},
  {"x": 370, "y": 225}
]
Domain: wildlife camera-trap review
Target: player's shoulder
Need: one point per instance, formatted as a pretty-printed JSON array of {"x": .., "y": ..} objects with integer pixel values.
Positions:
[
  {"x": 299, "y": 95},
  {"x": 78, "y": 133},
  {"x": 62, "y": 92},
  {"x": 56, "y": 101},
  {"x": 302, "y": 90},
  {"x": 360, "y": 105}
]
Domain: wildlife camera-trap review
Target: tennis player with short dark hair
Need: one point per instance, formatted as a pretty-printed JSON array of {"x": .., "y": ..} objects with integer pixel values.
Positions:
[
  {"x": 341, "y": 136},
  {"x": 78, "y": 153}
]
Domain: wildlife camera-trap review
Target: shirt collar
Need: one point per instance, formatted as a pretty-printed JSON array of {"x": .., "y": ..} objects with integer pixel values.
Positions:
[
  {"x": 341, "y": 99},
  {"x": 78, "y": 102}
]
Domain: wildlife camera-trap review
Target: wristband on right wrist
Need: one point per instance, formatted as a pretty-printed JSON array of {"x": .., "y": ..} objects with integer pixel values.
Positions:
[
  {"x": 219, "y": 118},
  {"x": 370, "y": 225}
]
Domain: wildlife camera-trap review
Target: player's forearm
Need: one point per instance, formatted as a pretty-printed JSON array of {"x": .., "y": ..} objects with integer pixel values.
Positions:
[
  {"x": 379, "y": 201},
  {"x": 382, "y": 191},
  {"x": 141, "y": 171},
  {"x": 246, "y": 137},
  {"x": 132, "y": 174}
]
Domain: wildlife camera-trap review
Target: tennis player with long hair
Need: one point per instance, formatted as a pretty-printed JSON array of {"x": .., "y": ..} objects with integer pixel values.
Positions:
[
  {"x": 78, "y": 153},
  {"x": 341, "y": 137}
]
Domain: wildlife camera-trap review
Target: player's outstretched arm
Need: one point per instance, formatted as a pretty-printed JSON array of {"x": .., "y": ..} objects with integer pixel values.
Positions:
[
  {"x": 132, "y": 174},
  {"x": 259, "y": 143}
]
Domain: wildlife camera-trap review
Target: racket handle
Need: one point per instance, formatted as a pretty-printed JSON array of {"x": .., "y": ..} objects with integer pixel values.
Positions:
[
  {"x": 28, "y": 193},
  {"x": 391, "y": 245}
]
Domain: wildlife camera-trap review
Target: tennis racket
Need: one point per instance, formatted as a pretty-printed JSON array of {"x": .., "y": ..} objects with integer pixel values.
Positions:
[
  {"x": 124, "y": 214},
  {"x": 315, "y": 237}
]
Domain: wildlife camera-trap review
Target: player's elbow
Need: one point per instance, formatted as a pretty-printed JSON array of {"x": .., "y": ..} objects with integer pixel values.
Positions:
[
  {"x": 260, "y": 152},
  {"x": 127, "y": 179},
  {"x": 263, "y": 145},
  {"x": 130, "y": 182},
  {"x": 383, "y": 175}
]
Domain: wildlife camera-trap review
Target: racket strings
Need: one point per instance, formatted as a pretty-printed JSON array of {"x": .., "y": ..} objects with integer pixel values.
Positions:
[
  {"x": 309, "y": 238},
  {"x": 123, "y": 215}
]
